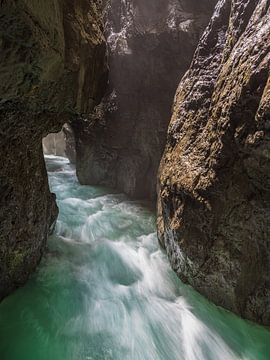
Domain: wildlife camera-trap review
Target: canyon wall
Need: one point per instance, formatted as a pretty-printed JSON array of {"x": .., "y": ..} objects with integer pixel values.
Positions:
[
  {"x": 151, "y": 44},
  {"x": 214, "y": 178},
  {"x": 51, "y": 69}
]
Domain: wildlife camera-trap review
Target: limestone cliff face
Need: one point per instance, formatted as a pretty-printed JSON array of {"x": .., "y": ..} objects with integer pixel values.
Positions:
[
  {"x": 52, "y": 60},
  {"x": 151, "y": 44},
  {"x": 214, "y": 198}
]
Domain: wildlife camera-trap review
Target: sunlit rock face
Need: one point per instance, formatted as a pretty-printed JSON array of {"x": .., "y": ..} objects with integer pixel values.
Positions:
[
  {"x": 61, "y": 143},
  {"x": 150, "y": 44},
  {"x": 215, "y": 174},
  {"x": 51, "y": 69},
  {"x": 54, "y": 144}
]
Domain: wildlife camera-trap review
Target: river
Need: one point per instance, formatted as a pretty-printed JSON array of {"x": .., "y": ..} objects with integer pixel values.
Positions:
[{"x": 104, "y": 290}]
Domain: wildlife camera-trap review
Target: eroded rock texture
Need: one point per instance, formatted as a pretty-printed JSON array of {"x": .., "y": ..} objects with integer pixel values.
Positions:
[
  {"x": 151, "y": 44},
  {"x": 52, "y": 60},
  {"x": 214, "y": 199}
]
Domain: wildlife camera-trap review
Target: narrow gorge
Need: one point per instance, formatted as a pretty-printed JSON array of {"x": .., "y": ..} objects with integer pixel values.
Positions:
[
  {"x": 108, "y": 110},
  {"x": 150, "y": 45}
]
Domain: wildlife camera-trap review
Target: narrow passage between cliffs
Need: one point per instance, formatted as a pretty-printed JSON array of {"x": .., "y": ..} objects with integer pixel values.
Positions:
[{"x": 105, "y": 290}]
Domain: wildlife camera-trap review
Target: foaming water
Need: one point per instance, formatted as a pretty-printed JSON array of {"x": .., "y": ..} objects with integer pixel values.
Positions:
[{"x": 105, "y": 290}]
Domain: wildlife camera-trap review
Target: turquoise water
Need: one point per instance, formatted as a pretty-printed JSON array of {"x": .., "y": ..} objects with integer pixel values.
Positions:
[{"x": 105, "y": 290}]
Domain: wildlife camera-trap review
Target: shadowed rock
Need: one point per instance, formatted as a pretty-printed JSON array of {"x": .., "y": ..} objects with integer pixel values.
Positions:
[
  {"x": 151, "y": 44},
  {"x": 51, "y": 69}
]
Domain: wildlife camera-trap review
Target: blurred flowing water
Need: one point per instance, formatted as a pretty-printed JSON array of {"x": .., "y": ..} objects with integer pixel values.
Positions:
[{"x": 105, "y": 290}]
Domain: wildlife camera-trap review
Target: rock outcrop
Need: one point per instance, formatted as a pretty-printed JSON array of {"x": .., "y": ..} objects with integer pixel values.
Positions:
[
  {"x": 51, "y": 68},
  {"x": 214, "y": 197},
  {"x": 151, "y": 44}
]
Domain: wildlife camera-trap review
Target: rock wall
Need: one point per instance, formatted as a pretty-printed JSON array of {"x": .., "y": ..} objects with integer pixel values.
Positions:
[
  {"x": 214, "y": 178},
  {"x": 151, "y": 44},
  {"x": 51, "y": 68}
]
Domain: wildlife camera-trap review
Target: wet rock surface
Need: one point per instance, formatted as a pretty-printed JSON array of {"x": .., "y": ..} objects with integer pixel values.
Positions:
[
  {"x": 214, "y": 192},
  {"x": 150, "y": 44},
  {"x": 51, "y": 68}
]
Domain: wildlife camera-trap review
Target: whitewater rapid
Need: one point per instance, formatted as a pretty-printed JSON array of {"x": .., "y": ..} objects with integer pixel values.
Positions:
[{"x": 105, "y": 290}]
